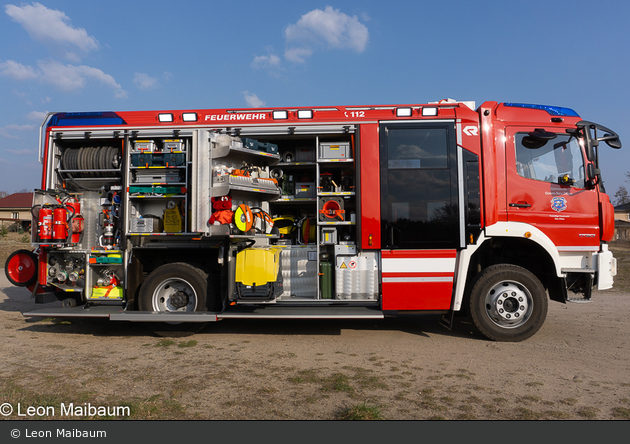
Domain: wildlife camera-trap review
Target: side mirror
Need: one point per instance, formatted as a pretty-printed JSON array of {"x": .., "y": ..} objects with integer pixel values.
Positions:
[{"x": 612, "y": 140}]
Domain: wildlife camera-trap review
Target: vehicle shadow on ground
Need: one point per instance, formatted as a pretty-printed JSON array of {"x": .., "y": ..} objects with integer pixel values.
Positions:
[
  {"x": 418, "y": 325},
  {"x": 18, "y": 299}
]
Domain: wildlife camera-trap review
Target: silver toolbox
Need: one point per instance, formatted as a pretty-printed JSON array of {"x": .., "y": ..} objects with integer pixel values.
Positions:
[
  {"x": 144, "y": 145},
  {"x": 157, "y": 177},
  {"x": 141, "y": 225},
  {"x": 173, "y": 145},
  {"x": 335, "y": 150}
]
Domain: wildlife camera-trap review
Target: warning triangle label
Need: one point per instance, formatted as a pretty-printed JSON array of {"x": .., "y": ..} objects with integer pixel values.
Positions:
[{"x": 343, "y": 265}]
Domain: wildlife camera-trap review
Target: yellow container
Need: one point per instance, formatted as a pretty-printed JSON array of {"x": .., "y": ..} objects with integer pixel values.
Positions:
[
  {"x": 107, "y": 292},
  {"x": 257, "y": 266},
  {"x": 172, "y": 220}
]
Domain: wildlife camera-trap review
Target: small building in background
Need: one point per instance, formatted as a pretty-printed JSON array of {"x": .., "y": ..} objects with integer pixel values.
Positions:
[
  {"x": 622, "y": 222},
  {"x": 15, "y": 211}
]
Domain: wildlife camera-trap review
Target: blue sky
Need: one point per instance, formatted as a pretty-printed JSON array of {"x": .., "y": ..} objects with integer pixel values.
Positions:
[{"x": 139, "y": 55}]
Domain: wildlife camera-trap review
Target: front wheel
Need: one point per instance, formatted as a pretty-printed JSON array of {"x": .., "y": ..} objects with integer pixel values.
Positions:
[
  {"x": 507, "y": 303},
  {"x": 176, "y": 287}
]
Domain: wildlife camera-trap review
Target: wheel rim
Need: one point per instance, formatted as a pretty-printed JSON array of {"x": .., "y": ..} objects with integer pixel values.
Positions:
[
  {"x": 174, "y": 294},
  {"x": 509, "y": 304}
]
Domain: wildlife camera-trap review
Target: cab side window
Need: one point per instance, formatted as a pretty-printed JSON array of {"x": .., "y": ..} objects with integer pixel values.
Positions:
[{"x": 556, "y": 161}]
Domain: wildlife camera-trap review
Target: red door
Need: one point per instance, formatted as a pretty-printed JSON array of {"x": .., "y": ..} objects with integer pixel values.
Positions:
[
  {"x": 420, "y": 217},
  {"x": 546, "y": 186}
]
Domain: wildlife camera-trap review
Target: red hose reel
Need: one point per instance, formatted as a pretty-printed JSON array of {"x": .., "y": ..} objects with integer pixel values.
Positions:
[{"x": 331, "y": 208}]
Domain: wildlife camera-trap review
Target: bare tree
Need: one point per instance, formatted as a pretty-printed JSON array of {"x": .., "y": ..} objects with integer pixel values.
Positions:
[
  {"x": 622, "y": 196},
  {"x": 3, "y": 194}
]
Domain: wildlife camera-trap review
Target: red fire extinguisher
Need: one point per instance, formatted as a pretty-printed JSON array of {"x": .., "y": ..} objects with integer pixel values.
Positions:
[
  {"x": 44, "y": 222},
  {"x": 60, "y": 224},
  {"x": 73, "y": 205}
]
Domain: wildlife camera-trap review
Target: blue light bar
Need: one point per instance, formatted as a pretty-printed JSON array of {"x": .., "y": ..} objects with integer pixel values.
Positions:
[
  {"x": 551, "y": 110},
  {"x": 87, "y": 118}
]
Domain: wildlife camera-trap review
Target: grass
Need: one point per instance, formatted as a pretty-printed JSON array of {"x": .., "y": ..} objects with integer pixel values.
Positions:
[
  {"x": 588, "y": 412},
  {"x": 154, "y": 407},
  {"x": 337, "y": 382},
  {"x": 621, "y": 412},
  {"x": 360, "y": 412}
]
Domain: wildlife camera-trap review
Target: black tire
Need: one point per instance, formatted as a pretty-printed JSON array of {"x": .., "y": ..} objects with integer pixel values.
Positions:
[
  {"x": 176, "y": 287},
  {"x": 507, "y": 303}
]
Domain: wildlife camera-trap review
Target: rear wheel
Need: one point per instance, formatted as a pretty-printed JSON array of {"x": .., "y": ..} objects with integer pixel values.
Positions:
[
  {"x": 507, "y": 303},
  {"x": 21, "y": 268},
  {"x": 176, "y": 287}
]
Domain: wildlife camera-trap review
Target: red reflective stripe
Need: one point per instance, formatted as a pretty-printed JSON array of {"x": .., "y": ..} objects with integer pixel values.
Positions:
[
  {"x": 418, "y": 254},
  {"x": 418, "y": 274}
]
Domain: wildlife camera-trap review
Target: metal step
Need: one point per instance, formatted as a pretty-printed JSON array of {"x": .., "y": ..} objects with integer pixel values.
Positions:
[
  {"x": 116, "y": 313},
  {"x": 95, "y": 311},
  {"x": 297, "y": 312},
  {"x": 579, "y": 300}
]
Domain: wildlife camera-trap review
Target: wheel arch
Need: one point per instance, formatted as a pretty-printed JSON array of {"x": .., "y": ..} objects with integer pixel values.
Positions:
[
  {"x": 518, "y": 244},
  {"x": 145, "y": 261}
]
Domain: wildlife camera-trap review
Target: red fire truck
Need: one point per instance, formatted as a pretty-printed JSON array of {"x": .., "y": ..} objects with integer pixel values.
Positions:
[{"x": 324, "y": 212}]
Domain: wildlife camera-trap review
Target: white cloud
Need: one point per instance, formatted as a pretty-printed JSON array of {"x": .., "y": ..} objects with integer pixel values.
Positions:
[
  {"x": 8, "y": 131},
  {"x": 37, "y": 115},
  {"x": 17, "y": 71},
  {"x": 23, "y": 152},
  {"x": 145, "y": 82},
  {"x": 330, "y": 28},
  {"x": 52, "y": 27},
  {"x": 252, "y": 100},
  {"x": 66, "y": 78},
  {"x": 266, "y": 61},
  {"x": 298, "y": 55},
  {"x": 72, "y": 77}
]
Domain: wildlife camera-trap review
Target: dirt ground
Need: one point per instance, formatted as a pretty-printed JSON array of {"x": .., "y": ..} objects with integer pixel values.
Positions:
[{"x": 407, "y": 368}]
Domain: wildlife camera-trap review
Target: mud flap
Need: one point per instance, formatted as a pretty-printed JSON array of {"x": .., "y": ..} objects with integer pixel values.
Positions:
[{"x": 447, "y": 319}]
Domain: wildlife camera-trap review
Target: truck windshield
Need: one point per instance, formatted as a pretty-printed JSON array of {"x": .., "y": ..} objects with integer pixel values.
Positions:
[{"x": 559, "y": 160}]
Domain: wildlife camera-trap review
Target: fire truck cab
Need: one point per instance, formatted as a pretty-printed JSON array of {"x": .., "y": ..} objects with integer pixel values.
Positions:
[{"x": 323, "y": 212}]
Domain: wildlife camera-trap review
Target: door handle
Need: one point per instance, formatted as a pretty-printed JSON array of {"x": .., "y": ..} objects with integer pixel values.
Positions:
[{"x": 520, "y": 205}]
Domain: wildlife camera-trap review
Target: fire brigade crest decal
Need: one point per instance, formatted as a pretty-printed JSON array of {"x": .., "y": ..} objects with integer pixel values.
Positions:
[{"x": 559, "y": 204}]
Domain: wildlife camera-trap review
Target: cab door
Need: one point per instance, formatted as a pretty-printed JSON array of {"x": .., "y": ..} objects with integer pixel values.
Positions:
[
  {"x": 546, "y": 187},
  {"x": 420, "y": 216}
]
